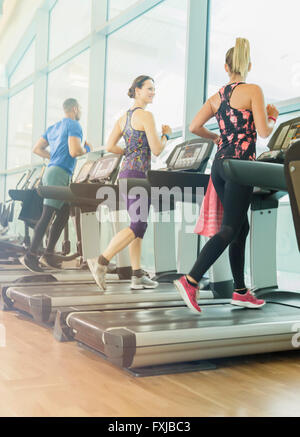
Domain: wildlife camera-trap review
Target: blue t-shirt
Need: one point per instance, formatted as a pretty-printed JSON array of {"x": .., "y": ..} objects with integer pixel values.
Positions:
[{"x": 57, "y": 136}]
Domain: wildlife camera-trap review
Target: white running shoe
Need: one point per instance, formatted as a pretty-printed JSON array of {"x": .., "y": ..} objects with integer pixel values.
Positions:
[
  {"x": 98, "y": 271},
  {"x": 141, "y": 283}
]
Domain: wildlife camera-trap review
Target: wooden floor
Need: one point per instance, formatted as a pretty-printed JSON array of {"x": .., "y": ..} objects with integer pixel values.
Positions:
[{"x": 42, "y": 377}]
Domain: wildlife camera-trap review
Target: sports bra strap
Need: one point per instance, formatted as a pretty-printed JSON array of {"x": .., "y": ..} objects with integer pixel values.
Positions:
[
  {"x": 131, "y": 111},
  {"x": 129, "y": 117},
  {"x": 226, "y": 92}
]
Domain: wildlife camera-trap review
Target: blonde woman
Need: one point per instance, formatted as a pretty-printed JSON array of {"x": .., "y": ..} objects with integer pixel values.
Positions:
[{"x": 240, "y": 111}]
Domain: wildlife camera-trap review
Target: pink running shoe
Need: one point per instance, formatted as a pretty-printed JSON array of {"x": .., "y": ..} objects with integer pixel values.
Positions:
[
  {"x": 188, "y": 293},
  {"x": 248, "y": 300}
]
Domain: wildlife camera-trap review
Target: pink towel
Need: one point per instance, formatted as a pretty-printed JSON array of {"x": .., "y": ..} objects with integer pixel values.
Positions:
[{"x": 211, "y": 214}]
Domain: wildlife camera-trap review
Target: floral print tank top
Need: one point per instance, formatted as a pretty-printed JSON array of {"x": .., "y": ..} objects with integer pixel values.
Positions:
[
  {"x": 237, "y": 129},
  {"x": 137, "y": 156}
]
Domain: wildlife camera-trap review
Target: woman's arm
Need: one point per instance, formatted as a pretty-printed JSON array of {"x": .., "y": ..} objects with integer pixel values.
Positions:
[
  {"x": 263, "y": 124},
  {"x": 40, "y": 148},
  {"x": 113, "y": 140},
  {"x": 202, "y": 117},
  {"x": 156, "y": 144}
]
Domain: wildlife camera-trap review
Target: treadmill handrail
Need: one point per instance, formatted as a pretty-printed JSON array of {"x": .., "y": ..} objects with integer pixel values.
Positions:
[
  {"x": 65, "y": 194},
  {"x": 170, "y": 179},
  {"x": 256, "y": 174}
]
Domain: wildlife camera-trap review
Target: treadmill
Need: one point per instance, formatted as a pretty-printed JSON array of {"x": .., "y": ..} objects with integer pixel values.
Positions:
[
  {"x": 149, "y": 342},
  {"x": 28, "y": 193},
  {"x": 68, "y": 275},
  {"x": 73, "y": 277},
  {"x": 42, "y": 301},
  {"x": 11, "y": 247}
]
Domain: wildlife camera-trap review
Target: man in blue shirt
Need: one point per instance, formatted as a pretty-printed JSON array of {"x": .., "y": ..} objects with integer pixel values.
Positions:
[{"x": 64, "y": 139}]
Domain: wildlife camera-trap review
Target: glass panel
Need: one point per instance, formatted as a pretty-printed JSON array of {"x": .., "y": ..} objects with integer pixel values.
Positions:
[
  {"x": 118, "y": 6},
  {"x": 276, "y": 67},
  {"x": 153, "y": 44},
  {"x": 25, "y": 67},
  {"x": 70, "y": 21},
  {"x": 70, "y": 80},
  {"x": 20, "y": 128}
]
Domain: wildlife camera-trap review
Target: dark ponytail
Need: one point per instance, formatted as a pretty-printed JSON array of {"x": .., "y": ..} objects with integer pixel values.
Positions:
[{"x": 138, "y": 83}]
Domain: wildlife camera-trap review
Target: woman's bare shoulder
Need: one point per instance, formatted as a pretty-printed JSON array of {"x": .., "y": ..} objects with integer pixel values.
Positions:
[
  {"x": 253, "y": 88},
  {"x": 214, "y": 101}
]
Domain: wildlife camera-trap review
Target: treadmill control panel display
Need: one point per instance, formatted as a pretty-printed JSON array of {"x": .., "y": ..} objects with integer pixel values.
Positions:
[
  {"x": 83, "y": 174},
  {"x": 104, "y": 169},
  {"x": 285, "y": 136},
  {"x": 190, "y": 156},
  {"x": 292, "y": 136}
]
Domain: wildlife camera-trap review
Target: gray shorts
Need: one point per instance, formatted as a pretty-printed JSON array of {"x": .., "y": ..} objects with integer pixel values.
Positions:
[{"x": 55, "y": 176}]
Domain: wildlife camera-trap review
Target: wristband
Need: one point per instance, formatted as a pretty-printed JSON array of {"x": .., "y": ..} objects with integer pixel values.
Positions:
[
  {"x": 166, "y": 135},
  {"x": 87, "y": 148},
  {"x": 273, "y": 118}
]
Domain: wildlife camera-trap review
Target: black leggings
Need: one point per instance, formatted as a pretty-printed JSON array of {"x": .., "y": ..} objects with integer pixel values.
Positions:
[
  {"x": 61, "y": 219},
  {"x": 235, "y": 199}
]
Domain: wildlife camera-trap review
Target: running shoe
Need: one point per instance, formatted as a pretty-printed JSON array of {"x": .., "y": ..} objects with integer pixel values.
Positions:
[
  {"x": 98, "y": 271},
  {"x": 141, "y": 283},
  {"x": 189, "y": 294},
  {"x": 247, "y": 300},
  {"x": 31, "y": 262},
  {"x": 49, "y": 260}
]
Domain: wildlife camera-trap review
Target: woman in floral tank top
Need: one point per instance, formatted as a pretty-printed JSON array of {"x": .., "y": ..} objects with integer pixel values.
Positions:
[
  {"x": 240, "y": 111},
  {"x": 137, "y": 127}
]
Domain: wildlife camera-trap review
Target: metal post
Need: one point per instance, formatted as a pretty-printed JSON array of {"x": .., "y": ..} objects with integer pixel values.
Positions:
[
  {"x": 40, "y": 79},
  {"x": 196, "y": 61},
  {"x": 96, "y": 100}
]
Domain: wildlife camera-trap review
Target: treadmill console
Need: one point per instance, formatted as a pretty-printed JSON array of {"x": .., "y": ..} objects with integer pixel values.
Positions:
[
  {"x": 84, "y": 172},
  {"x": 105, "y": 169},
  {"x": 190, "y": 156},
  {"x": 285, "y": 136}
]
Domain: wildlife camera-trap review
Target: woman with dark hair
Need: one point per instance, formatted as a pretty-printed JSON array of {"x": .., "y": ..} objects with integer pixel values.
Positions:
[
  {"x": 137, "y": 127},
  {"x": 240, "y": 111}
]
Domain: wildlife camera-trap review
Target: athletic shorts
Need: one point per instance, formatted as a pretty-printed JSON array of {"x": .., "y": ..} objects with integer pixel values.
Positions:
[{"x": 56, "y": 176}]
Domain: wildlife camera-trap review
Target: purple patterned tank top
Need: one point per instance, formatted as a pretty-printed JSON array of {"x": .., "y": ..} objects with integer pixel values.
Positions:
[{"x": 137, "y": 156}]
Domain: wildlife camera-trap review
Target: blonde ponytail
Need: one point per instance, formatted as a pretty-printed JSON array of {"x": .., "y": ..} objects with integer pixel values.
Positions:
[
  {"x": 238, "y": 58},
  {"x": 241, "y": 57}
]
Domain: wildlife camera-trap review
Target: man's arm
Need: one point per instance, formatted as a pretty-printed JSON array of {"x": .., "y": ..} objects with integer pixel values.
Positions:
[
  {"x": 75, "y": 148},
  {"x": 40, "y": 148}
]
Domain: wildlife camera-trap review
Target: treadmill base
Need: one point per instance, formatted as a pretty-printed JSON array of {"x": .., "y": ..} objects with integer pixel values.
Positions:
[
  {"x": 169, "y": 369},
  {"x": 165, "y": 369}
]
